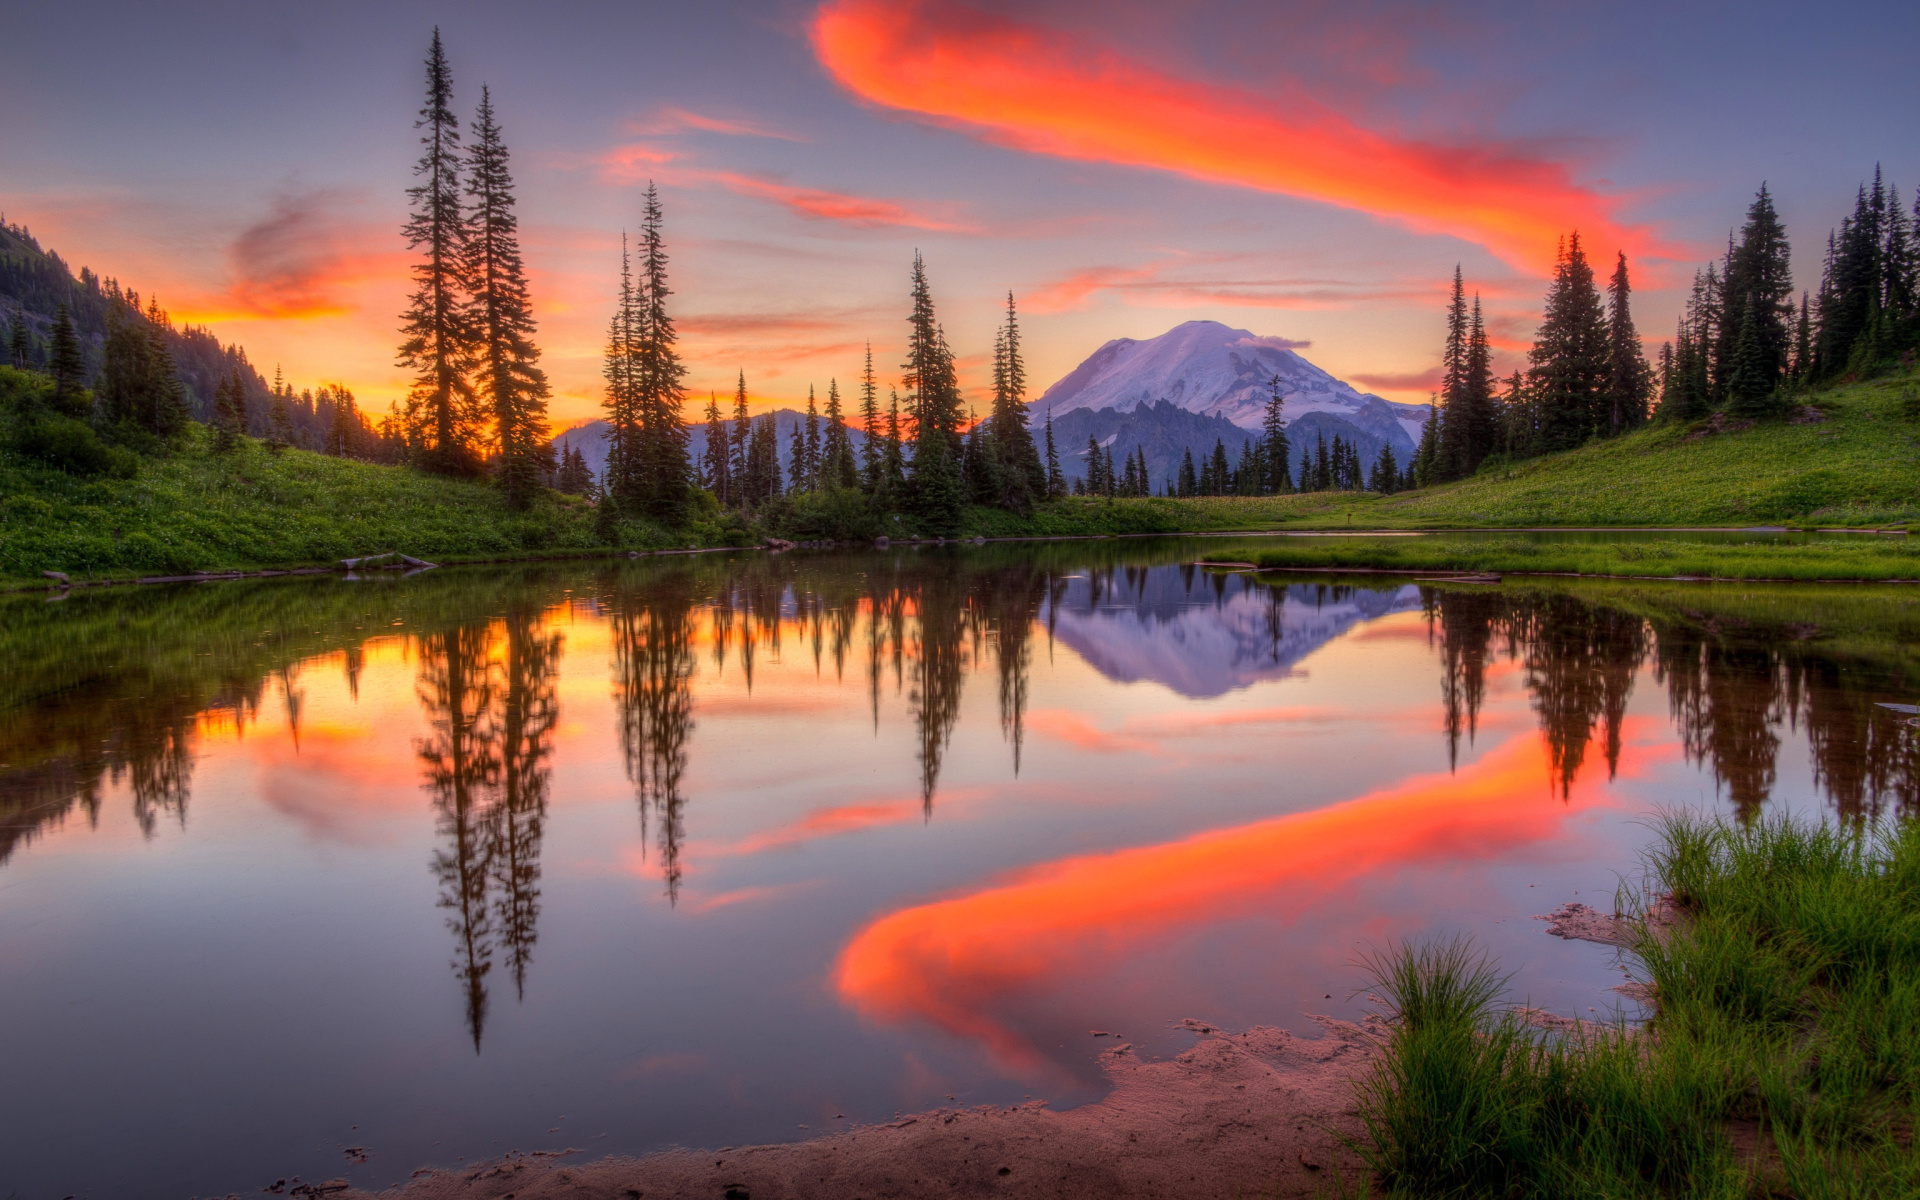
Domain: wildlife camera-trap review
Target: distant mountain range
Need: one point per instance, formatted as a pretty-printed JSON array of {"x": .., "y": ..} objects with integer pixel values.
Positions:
[
  {"x": 1197, "y": 384},
  {"x": 1215, "y": 370},
  {"x": 591, "y": 439}
]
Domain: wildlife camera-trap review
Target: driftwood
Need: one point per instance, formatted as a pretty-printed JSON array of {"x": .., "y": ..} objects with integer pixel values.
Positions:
[{"x": 378, "y": 562}]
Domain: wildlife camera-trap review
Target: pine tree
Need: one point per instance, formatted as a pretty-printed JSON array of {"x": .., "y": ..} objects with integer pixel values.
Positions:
[
  {"x": 621, "y": 477},
  {"x": 1217, "y": 467},
  {"x": 19, "y": 341},
  {"x": 500, "y": 315},
  {"x": 797, "y": 480},
  {"x": 837, "y": 469},
  {"x": 437, "y": 339},
  {"x": 933, "y": 401},
  {"x": 280, "y": 431},
  {"x": 138, "y": 387},
  {"x": 66, "y": 365},
  {"x": 1456, "y": 453},
  {"x": 870, "y": 448},
  {"x": 1569, "y": 359},
  {"x": 1628, "y": 381},
  {"x": 1021, "y": 476},
  {"x": 1426, "y": 455},
  {"x": 1386, "y": 472},
  {"x": 1801, "y": 368},
  {"x": 893, "y": 471},
  {"x": 1276, "y": 451},
  {"x": 737, "y": 441},
  {"x": 1749, "y": 390},
  {"x": 812, "y": 471},
  {"x": 717, "y": 462},
  {"x": 1757, "y": 268},
  {"x": 1482, "y": 413},
  {"x": 229, "y": 411},
  {"x": 1095, "y": 485},
  {"x": 658, "y": 375},
  {"x": 1056, "y": 483}
]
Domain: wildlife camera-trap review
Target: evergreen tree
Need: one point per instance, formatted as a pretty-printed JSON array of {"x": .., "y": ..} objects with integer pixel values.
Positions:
[
  {"x": 280, "y": 430},
  {"x": 718, "y": 464},
  {"x": 1217, "y": 467},
  {"x": 1749, "y": 390},
  {"x": 1276, "y": 451},
  {"x": 812, "y": 442},
  {"x": 66, "y": 365},
  {"x": 229, "y": 414},
  {"x": 1427, "y": 453},
  {"x": 1757, "y": 269},
  {"x": 437, "y": 337},
  {"x": 1569, "y": 359},
  {"x": 797, "y": 480},
  {"x": 1056, "y": 483},
  {"x": 1456, "y": 453},
  {"x": 1021, "y": 476},
  {"x": 1801, "y": 368},
  {"x": 933, "y": 402},
  {"x": 1095, "y": 485},
  {"x": 837, "y": 469},
  {"x": 1628, "y": 380},
  {"x": 1386, "y": 472},
  {"x": 737, "y": 440},
  {"x": 658, "y": 374},
  {"x": 500, "y": 315},
  {"x": 138, "y": 387},
  {"x": 621, "y": 478},
  {"x": 19, "y": 342},
  {"x": 870, "y": 449},
  {"x": 893, "y": 471}
]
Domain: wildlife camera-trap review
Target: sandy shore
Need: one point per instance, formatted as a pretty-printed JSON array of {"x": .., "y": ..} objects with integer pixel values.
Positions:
[{"x": 1251, "y": 1114}]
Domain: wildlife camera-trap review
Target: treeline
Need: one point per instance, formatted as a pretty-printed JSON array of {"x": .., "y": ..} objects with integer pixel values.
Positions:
[{"x": 1743, "y": 347}]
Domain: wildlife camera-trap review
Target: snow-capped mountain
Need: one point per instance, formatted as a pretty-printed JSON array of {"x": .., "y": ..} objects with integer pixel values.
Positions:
[
  {"x": 1203, "y": 636},
  {"x": 1214, "y": 369}
]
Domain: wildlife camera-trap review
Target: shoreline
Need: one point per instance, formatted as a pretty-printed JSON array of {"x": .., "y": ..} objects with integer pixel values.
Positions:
[
  {"x": 1255, "y": 1113},
  {"x": 49, "y": 583}
]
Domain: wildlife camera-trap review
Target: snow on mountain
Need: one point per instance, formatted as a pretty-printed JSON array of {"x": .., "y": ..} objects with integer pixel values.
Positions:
[
  {"x": 1214, "y": 369},
  {"x": 1202, "y": 637}
]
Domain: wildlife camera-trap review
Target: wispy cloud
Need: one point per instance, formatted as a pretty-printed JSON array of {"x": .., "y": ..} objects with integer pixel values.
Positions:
[
  {"x": 1047, "y": 92},
  {"x": 1194, "y": 281},
  {"x": 679, "y": 120}
]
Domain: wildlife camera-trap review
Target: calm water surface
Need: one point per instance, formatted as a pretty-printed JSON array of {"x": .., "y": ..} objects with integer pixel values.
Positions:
[{"x": 733, "y": 849}]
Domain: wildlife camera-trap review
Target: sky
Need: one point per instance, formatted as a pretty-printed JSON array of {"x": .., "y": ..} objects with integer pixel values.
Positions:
[{"x": 1308, "y": 170}]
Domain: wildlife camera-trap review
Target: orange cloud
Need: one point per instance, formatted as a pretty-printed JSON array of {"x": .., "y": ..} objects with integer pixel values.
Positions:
[
  {"x": 673, "y": 120},
  {"x": 1045, "y": 92},
  {"x": 818, "y": 204},
  {"x": 298, "y": 262},
  {"x": 953, "y": 962}
]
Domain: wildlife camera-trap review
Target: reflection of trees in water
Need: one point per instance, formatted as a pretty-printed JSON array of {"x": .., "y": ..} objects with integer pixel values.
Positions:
[
  {"x": 653, "y": 698},
  {"x": 490, "y": 720},
  {"x": 1731, "y": 685}
]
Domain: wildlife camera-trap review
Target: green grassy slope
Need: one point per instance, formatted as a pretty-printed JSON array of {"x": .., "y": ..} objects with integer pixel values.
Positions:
[{"x": 1859, "y": 467}]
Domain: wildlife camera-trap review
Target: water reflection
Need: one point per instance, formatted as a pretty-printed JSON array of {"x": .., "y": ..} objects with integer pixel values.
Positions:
[
  {"x": 1740, "y": 665},
  {"x": 487, "y": 692},
  {"x": 117, "y": 690}
]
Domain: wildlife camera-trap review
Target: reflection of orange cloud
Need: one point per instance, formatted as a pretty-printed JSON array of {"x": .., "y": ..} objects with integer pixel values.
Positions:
[
  {"x": 828, "y": 822},
  {"x": 1046, "y": 92},
  {"x": 1080, "y": 733},
  {"x": 950, "y": 962}
]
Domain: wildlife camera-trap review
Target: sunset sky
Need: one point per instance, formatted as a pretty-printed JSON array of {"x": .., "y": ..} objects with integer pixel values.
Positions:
[{"x": 1305, "y": 170}]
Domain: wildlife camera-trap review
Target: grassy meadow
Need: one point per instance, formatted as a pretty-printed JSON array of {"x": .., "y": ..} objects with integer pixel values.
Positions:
[{"x": 1783, "y": 1058}]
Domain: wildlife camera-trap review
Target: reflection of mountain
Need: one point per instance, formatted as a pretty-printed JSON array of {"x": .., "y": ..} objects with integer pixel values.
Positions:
[{"x": 1205, "y": 637}]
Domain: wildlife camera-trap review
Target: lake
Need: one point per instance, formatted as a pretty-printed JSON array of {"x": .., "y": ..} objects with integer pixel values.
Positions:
[{"x": 346, "y": 877}]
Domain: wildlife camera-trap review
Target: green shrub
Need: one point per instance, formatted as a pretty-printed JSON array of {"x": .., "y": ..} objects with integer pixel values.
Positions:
[{"x": 69, "y": 445}]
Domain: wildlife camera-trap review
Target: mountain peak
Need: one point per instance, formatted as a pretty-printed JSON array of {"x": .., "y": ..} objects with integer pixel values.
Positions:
[{"x": 1211, "y": 368}]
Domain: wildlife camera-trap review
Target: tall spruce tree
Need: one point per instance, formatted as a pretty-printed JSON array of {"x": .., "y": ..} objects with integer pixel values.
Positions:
[
  {"x": 658, "y": 374},
  {"x": 437, "y": 339},
  {"x": 66, "y": 364},
  {"x": 1056, "y": 482},
  {"x": 717, "y": 463},
  {"x": 837, "y": 468},
  {"x": 933, "y": 400},
  {"x": 1758, "y": 268},
  {"x": 1020, "y": 475},
  {"x": 893, "y": 468},
  {"x": 620, "y": 478},
  {"x": 19, "y": 341},
  {"x": 738, "y": 440},
  {"x": 870, "y": 447},
  {"x": 812, "y": 442},
  {"x": 1749, "y": 389},
  {"x": 797, "y": 480},
  {"x": 1426, "y": 456},
  {"x": 138, "y": 388},
  {"x": 1276, "y": 452},
  {"x": 229, "y": 411},
  {"x": 1628, "y": 380},
  {"x": 1570, "y": 367},
  {"x": 500, "y": 314},
  {"x": 1455, "y": 454}
]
